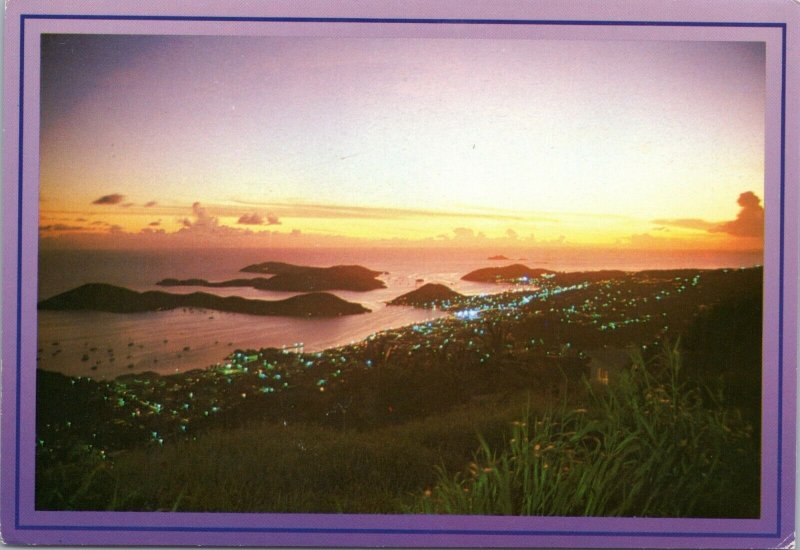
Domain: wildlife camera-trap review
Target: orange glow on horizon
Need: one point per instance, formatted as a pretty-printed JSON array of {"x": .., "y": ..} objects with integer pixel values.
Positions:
[
  {"x": 558, "y": 144},
  {"x": 236, "y": 226}
]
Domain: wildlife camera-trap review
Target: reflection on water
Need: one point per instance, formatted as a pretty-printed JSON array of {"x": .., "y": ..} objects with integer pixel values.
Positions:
[
  {"x": 105, "y": 345},
  {"x": 173, "y": 341}
]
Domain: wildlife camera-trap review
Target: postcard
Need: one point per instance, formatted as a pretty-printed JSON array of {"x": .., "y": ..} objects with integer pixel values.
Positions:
[{"x": 458, "y": 274}]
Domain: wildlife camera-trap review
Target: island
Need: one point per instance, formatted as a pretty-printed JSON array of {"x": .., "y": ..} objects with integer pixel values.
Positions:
[
  {"x": 428, "y": 295},
  {"x": 259, "y": 283},
  {"x": 405, "y": 400},
  {"x": 514, "y": 273},
  {"x": 498, "y": 257},
  {"x": 105, "y": 297},
  {"x": 290, "y": 277}
]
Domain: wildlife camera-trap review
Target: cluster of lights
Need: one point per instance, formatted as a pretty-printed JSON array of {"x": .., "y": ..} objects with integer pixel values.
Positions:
[{"x": 167, "y": 405}]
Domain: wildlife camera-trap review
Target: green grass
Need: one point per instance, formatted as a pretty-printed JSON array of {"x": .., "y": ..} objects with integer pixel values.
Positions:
[
  {"x": 647, "y": 446},
  {"x": 650, "y": 444},
  {"x": 271, "y": 468}
]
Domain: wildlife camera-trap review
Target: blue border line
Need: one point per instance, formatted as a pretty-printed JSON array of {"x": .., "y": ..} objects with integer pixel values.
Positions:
[
  {"x": 402, "y": 20},
  {"x": 480, "y": 532},
  {"x": 780, "y": 284},
  {"x": 19, "y": 270},
  {"x": 382, "y": 531}
]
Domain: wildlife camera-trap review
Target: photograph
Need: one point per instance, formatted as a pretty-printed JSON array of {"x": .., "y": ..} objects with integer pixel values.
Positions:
[
  {"x": 485, "y": 274},
  {"x": 400, "y": 275}
]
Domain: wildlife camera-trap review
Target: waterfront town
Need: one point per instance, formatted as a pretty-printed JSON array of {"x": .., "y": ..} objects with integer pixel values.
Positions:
[{"x": 543, "y": 332}]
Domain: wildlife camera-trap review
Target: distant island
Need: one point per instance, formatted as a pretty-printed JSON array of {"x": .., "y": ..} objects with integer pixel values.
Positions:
[
  {"x": 426, "y": 296},
  {"x": 290, "y": 277},
  {"x": 498, "y": 257},
  {"x": 259, "y": 283},
  {"x": 508, "y": 274},
  {"x": 104, "y": 297}
]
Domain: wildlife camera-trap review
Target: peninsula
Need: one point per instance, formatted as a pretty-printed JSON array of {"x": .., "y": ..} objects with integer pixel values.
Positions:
[
  {"x": 259, "y": 283},
  {"x": 428, "y": 295},
  {"x": 104, "y": 297},
  {"x": 508, "y": 274},
  {"x": 290, "y": 277}
]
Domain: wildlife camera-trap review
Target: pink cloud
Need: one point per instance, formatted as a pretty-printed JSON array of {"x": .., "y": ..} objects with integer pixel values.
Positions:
[
  {"x": 251, "y": 219},
  {"x": 750, "y": 220},
  {"x": 114, "y": 198}
]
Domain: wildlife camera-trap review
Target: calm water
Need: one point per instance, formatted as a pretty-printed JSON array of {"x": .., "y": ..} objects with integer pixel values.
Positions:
[{"x": 172, "y": 341}]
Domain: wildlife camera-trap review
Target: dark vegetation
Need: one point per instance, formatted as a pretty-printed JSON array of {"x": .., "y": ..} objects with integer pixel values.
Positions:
[
  {"x": 723, "y": 344},
  {"x": 504, "y": 411},
  {"x": 514, "y": 273},
  {"x": 259, "y": 283},
  {"x": 291, "y": 277},
  {"x": 651, "y": 445},
  {"x": 104, "y": 297},
  {"x": 508, "y": 274},
  {"x": 428, "y": 295}
]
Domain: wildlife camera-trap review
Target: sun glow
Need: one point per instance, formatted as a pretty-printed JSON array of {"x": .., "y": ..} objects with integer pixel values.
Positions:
[{"x": 427, "y": 140}]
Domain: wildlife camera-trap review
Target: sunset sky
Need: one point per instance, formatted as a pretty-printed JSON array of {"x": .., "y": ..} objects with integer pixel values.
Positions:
[{"x": 157, "y": 141}]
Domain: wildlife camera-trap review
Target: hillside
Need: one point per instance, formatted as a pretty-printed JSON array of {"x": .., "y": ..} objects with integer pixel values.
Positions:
[
  {"x": 426, "y": 296},
  {"x": 104, "y": 297},
  {"x": 290, "y": 277},
  {"x": 507, "y": 274}
]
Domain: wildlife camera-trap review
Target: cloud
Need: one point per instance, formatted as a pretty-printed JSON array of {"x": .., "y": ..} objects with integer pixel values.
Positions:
[
  {"x": 369, "y": 212},
  {"x": 202, "y": 219},
  {"x": 81, "y": 220},
  {"x": 114, "y": 198},
  {"x": 205, "y": 226},
  {"x": 61, "y": 227},
  {"x": 154, "y": 224},
  {"x": 464, "y": 233},
  {"x": 150, "y": 203},
  {"x": 258, "y": 219},
  {"x": 750, "y": 220},
  {"x": 748, "y": 223},
  {"x": 467, "y": 234},
  {"x": 511, "y": 234},
  {"x": 127, "y": 205},
  {"x": 667, "y": 241},
  {"x": 688, "y": 223},
  {"x": 148, "y": 231},
  {"x": 98, "y": 222},
  {"x": 251, "y": 219}
]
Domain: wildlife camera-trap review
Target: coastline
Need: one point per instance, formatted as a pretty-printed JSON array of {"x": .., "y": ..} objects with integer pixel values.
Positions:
[{"x": 492, "y": 345}]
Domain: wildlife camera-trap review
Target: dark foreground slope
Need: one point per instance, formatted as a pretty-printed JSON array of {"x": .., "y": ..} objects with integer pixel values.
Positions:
[{"x": 103, "y": 297}]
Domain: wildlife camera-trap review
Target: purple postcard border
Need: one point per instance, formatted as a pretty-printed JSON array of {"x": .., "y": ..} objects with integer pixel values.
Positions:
[{"x": 20, "y": 524}]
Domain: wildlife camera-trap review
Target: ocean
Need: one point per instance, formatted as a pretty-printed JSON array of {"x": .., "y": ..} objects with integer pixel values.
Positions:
[{"x": 105, "y": 345}]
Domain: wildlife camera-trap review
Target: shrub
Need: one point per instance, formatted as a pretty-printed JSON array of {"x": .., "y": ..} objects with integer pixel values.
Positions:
[{"x": 647, "y": 446}]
